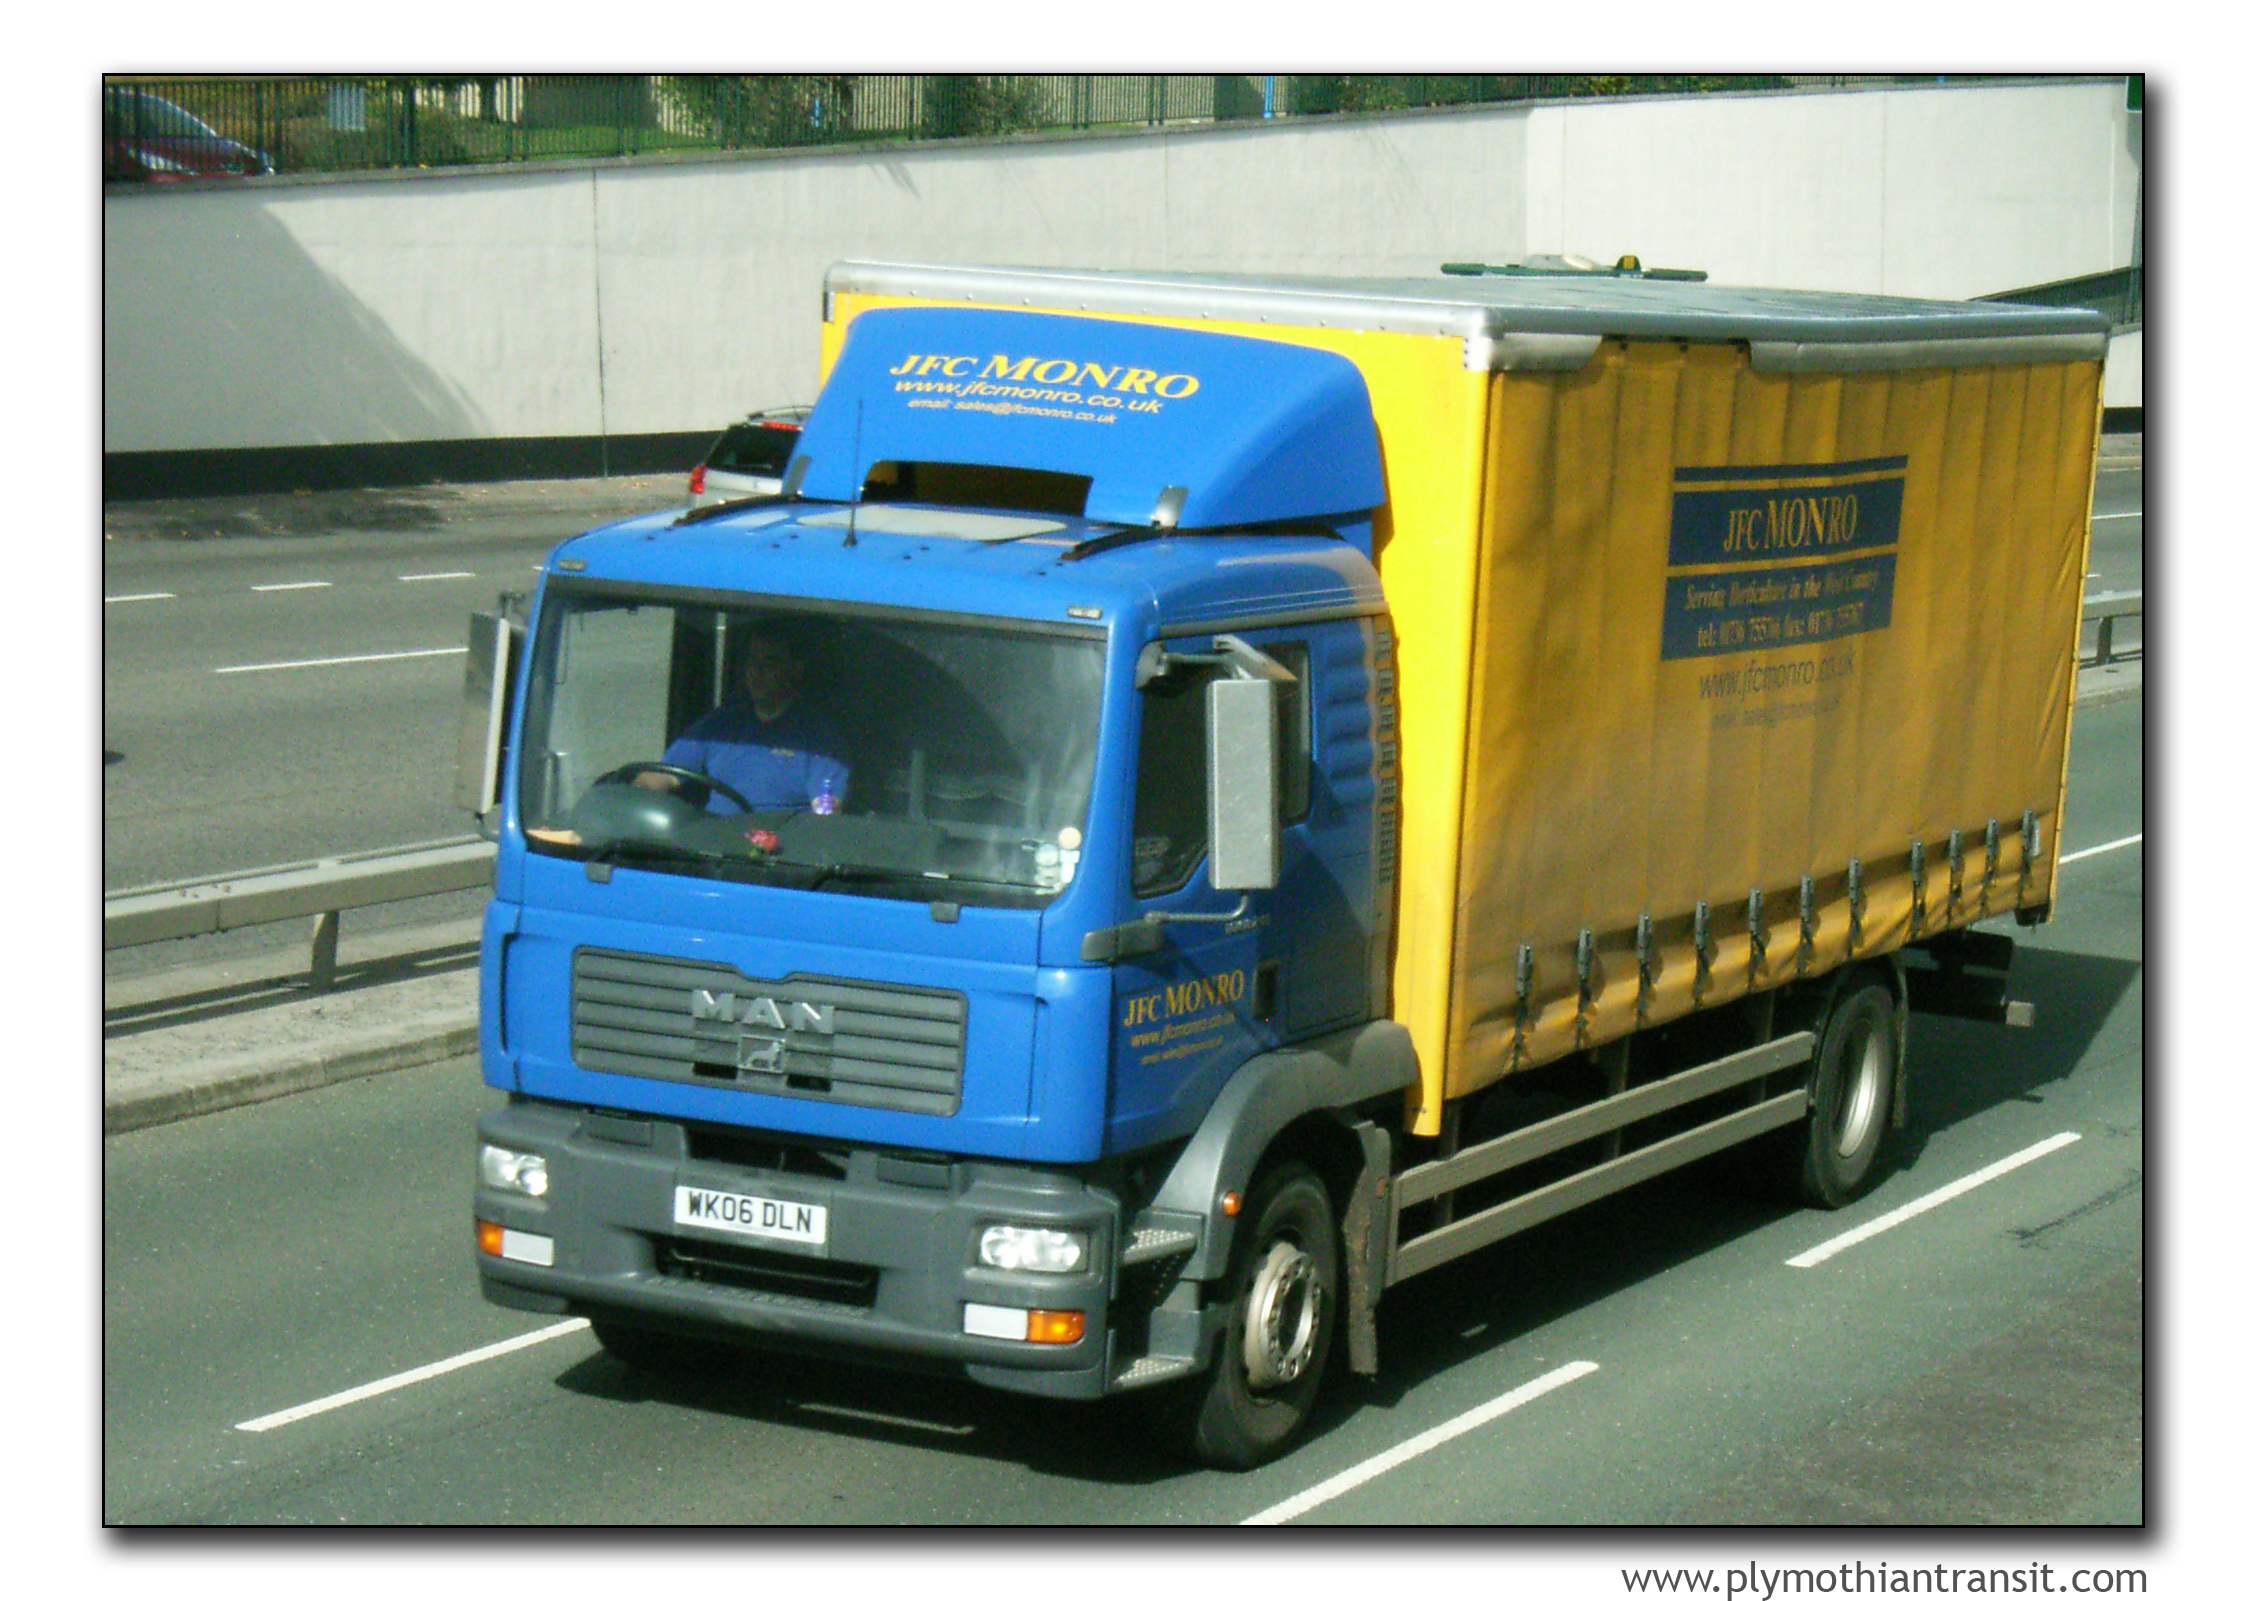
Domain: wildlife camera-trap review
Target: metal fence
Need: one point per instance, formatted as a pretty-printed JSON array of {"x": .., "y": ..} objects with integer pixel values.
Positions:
[
  {"x": 359, "y": 123},
  {"x": 2102, "y": 612},
  {"x": 322, "y": 891}
]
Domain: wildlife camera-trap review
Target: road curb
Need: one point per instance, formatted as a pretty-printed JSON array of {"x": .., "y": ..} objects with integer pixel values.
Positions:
[
  {"x": 217, "y": 1085},
  {"x": 574, "y": 504},
  {"x": 2096, "y": 686}
]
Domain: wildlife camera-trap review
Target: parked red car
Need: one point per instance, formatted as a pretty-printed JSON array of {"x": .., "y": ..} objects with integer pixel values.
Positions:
[{"x": 146, "y": 138}]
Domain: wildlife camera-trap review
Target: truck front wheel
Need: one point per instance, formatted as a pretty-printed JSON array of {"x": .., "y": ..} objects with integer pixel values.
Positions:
[
  {"x": 1278, "y": 1305},
  {"x": 1853, "y": 1093}
]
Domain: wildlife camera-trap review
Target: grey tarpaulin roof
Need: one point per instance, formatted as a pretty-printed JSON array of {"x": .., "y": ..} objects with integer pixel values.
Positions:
[{"x": 1542, "y": 319}]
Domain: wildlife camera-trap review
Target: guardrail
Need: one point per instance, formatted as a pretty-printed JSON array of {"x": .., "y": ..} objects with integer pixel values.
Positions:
[
  {"x": 326, "y": 889},
  {"x": 2103, "y": 609},
  {"x": 322, "y": 890}
]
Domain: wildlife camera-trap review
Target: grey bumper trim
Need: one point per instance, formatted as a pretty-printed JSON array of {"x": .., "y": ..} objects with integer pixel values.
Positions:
[{"x": 608, "y": 1209}]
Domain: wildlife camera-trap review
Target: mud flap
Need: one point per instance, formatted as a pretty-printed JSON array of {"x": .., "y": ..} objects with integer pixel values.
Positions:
[{"x": 1365, "y": 1243}]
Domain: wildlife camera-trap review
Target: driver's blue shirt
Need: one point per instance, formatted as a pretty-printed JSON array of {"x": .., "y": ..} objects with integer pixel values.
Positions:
[{"x": 778, "y": 766}]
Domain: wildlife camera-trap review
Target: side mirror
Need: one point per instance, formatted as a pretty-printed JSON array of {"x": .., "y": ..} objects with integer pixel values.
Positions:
[
  {"x": 494, "y": 637},
  {"x": 1244, "y": 808}
]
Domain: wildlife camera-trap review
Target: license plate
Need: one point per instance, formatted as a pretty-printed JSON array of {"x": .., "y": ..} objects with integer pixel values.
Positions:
[{"x": 756, "y": 1216}]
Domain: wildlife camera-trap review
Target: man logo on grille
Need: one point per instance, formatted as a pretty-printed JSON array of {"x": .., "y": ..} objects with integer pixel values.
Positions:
[
  {"x": 761, "y": 1011},
  {"x": 766, "y": 1021}
]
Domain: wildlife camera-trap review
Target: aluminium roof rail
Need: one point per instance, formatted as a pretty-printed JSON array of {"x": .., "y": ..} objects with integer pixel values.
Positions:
[{"x": 1572, "y": 267}]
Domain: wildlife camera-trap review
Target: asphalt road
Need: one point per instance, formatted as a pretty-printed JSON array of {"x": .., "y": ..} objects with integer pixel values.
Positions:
[
  {"x": 304, "y": 1266},
  {"x": 283, "y": 681}
]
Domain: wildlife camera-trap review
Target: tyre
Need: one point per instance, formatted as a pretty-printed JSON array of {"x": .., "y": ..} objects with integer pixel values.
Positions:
[
  {"x": 1852, "y": 1093},
  {"x": 1278, "y": 1303}
]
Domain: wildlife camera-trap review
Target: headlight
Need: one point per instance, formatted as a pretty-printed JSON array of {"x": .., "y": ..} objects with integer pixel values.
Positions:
[
  {"x": 519, "y": 1171},
  {"x": 1020, "y": 1250}
]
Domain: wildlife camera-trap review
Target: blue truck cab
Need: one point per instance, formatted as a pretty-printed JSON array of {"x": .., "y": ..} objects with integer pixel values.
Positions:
[{"x": 972, "y": 1064}]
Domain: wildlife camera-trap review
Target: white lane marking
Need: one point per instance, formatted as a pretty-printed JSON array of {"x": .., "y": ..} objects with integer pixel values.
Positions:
[
  {"x": 1949, "y": 1192},
  {"x": 1397, "y": 1455},
  {"x": 425, "y": 578},
  {"x": 398, "y": 1381},
  {"x": 343, "y": 661},
  {"x": 2110, "y": 516},
  {"x": 154, "y": 594},
  {"x": 2101, "y": 850},
  {"x": 271, "y": 589}
]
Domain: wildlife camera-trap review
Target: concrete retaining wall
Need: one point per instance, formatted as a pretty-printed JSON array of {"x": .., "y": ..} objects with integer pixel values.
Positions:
[{"x": 663, "y": 298}]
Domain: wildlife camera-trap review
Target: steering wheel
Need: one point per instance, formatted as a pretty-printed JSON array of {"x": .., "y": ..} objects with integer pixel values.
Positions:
[{"x": 632, "y": 770}]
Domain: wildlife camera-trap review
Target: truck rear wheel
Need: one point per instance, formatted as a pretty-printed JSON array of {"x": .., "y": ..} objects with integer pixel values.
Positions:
[
  {"x": 1279, "y": 1303},
  {"x": 1852, "y": 1092}
]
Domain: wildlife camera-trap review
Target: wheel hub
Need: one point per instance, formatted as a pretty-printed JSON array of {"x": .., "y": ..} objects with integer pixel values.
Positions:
[
  {"x": 1285, "y": 1303},
  {"x": 1868, "y": 1059}
]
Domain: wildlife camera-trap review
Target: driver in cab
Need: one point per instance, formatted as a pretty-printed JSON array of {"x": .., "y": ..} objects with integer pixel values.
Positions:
[{"x": 764, "y": 742}]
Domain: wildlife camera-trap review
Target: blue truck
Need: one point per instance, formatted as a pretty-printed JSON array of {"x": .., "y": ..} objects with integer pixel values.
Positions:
[{"x": 1268, "y": 785}]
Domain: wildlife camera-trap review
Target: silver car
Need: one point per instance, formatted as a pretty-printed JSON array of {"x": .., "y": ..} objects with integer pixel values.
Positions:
[{"x": 748, "y": 459}]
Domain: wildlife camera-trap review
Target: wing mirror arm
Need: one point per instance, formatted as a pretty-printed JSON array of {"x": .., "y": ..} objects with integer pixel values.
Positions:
[{"x": 1143, "y": 935}]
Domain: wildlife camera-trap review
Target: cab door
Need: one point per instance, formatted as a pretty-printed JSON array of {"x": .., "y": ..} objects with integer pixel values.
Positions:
[{"x": 1213, "y": 993}]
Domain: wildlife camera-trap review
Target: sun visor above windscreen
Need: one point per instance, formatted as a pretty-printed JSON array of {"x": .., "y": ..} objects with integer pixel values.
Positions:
[{"x": 1251, "y": 431}]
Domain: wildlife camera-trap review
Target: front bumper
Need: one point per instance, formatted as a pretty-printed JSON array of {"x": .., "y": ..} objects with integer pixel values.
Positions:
[{"x": 891, "y": 1283}]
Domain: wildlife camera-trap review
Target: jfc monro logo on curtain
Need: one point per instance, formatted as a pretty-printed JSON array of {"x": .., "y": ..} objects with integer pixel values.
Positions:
[{"x": 1763, "y": 558}]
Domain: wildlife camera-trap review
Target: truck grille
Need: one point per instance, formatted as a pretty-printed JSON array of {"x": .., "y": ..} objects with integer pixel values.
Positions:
[
  {"x": 771, "y": 1273},
  {"x": 877, "y": 1045}
]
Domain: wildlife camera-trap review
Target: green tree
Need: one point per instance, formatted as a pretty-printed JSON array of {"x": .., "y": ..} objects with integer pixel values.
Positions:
[
  {"x": 751, "y": 111},
  {"x": 967, "y": 105}
]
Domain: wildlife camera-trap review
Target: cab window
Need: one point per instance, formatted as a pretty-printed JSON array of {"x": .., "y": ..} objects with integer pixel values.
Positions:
[
  {"x": 1170, "y": 827},
  {"x": 1170, "y": 821}
]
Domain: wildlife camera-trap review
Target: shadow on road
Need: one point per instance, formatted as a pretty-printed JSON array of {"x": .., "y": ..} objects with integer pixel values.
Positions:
[
  {"x": 1104, "y": 1443},
  {"x": 1960, "y": 1070}
]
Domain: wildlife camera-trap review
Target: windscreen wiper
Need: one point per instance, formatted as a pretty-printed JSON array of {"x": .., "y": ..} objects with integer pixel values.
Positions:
[
  {"x": 791, "y": 491},
  {"x": 624, "y": 846},
  {"x": 864, "y": 873},
  {"x": 720, "y": 508}
]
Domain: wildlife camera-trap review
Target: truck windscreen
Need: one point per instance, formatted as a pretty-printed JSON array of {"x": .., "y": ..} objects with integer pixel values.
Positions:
[{"x": 917, "y": 756}]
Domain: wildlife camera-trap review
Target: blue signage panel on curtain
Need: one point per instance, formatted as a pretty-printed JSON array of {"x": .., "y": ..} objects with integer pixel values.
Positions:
[{"x": 1766, "y": 557}]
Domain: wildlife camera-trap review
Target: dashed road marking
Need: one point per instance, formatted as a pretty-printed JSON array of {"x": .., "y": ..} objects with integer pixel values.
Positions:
[
  {"x": 344, "y": 661},
  {"x": 1926, "y": 1203},
  {"x": 398, "y": 1381},
  {"x": 1397, "y": 1455},
  {"x": 2101, "y": 850}
]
